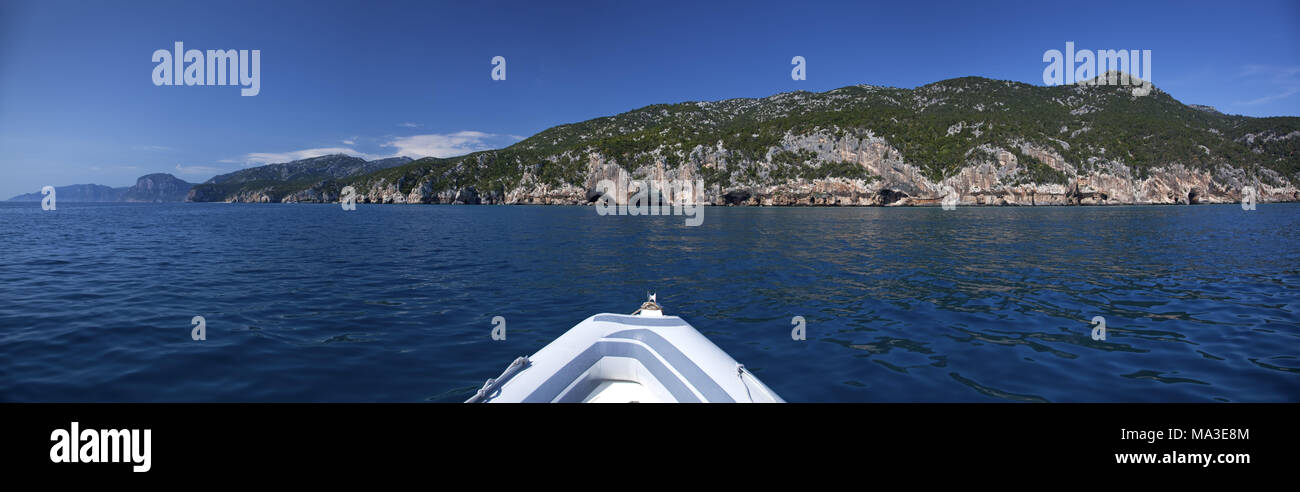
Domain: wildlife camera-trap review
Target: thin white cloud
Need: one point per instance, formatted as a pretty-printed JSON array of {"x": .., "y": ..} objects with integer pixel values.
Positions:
[
  {"x": 1267, "y": 99},
  {"x": 114, "y": 168},
  {"x": 151, "y": 148},
  {"x": 1273, "y": 72},
  {"x": 409, "y": 125},
  {"x": 196, "y": 170},
  {"x": 261, "y": 158},
  {"x": 427, "y": 145},
  {"x": 349, "y": 142},
  {"x": 449, "y": 144},
  {"x": 1285, "y": 82}
]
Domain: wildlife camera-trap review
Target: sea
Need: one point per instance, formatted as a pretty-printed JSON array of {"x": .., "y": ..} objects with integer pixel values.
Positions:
[{"x": 397, "y": 303}]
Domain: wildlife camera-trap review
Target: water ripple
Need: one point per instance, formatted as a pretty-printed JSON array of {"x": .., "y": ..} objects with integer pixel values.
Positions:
[{"x": 395, "y": 303}]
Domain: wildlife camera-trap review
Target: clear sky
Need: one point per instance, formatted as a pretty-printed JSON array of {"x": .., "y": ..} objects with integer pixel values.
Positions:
[{"x": 376, "y": 79}]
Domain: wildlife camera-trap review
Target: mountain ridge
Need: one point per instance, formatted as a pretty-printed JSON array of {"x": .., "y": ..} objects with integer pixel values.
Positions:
[
  {"x": 273, "y": 182},
  {"x": 164, "y": 187},
  {"x": 993, "y": 142},
  {"x": 158, "y": 188},
  {"x": 88, "y": 192},
  {"x": 990, "y": 142}
]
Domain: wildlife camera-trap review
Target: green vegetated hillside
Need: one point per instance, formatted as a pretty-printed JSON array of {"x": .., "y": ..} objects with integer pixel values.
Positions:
[
  {"x": 938, "y": 128},
  {"x": 275, "y": 181}
]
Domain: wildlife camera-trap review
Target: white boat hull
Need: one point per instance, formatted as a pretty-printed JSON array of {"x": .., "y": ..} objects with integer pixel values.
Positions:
[{"x": 625, "y": 358}]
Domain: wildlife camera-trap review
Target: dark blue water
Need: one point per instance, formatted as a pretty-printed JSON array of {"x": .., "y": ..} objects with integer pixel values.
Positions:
[{"x": 394, "y": 303}]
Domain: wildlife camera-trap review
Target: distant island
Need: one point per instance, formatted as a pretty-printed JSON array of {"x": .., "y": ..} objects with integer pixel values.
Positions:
[
  {"x": 164, "y": 187},
  {"x": 990, "y": 142},
  {"x": 160, "y": 187}
]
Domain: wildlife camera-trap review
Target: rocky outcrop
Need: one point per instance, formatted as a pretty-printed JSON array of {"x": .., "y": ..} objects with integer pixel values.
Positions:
[
  {"x": 158, "y": 188},
  {"x": 976, "y": 140},
  {"x": 77, "y": 193},
  {"x": 737, "y": 197},
  {"x": 324, "y": 191},
  {"x": 979, "y": 141},
  {"x": 313, "y": 179},
  {"x": 998, "y": 181},
  {"x": 205, "y": 194}
]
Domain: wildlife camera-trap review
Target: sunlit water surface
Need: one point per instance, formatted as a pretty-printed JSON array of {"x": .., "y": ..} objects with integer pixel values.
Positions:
[{"x": 395, "y": 303}]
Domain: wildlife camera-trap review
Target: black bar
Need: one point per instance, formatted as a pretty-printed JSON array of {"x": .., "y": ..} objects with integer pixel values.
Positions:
[{"x": 238, "y": 440}]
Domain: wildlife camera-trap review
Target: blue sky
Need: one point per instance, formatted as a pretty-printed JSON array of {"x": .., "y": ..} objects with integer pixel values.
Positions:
[{"x": 375, "y": 79}]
